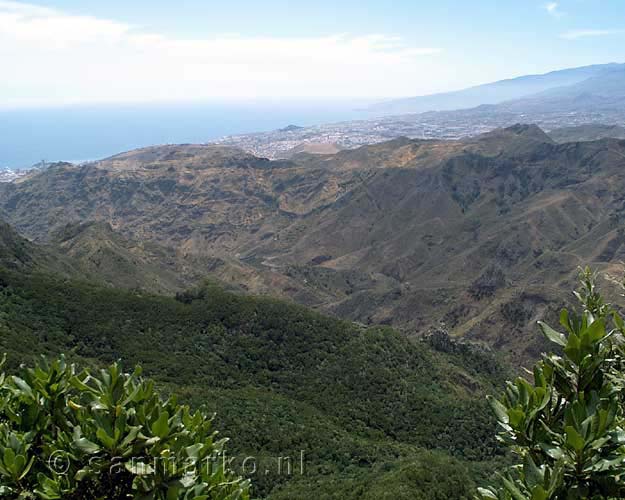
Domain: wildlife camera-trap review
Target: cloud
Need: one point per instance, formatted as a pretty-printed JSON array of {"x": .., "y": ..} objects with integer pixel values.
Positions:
[
  {"x": 577, "y": 34},
  {"x": 41, "y": 26},
  {"x": 59, "y": 57},
  {"x": 553, "y": 8}
]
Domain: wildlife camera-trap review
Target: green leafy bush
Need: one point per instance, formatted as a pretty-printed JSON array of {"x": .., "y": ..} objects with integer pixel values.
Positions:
[
  {"x": 107, "y": 435},
  {"x": 568, "y": 426}
]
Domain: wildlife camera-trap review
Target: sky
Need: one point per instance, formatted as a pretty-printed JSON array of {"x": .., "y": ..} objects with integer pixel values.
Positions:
[{"x": 65, "y": 52}]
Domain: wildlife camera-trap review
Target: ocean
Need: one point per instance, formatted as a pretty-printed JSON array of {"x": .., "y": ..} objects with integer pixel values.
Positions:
[{"x": 82, "y": 133}]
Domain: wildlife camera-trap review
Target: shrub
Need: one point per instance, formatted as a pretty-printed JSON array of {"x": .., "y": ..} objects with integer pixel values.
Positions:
[
  {"x": 107, "y": 435},
  {"x": 568, "y": 425}
]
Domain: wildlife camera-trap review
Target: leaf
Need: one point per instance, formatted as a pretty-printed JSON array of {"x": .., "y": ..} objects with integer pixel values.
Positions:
[
  {"x": 173, "y": 491},
  {"x": 25, "y": 388},
  {"x": 160, "y": 428},
  {"x": 86, "y": 446},
  {"x": 539, "y": 493},
  {"x": 74, "y": 406},
  {"x": 572, "y": 348},
  {"x": 552, "y": 451},
  {"x": 27, "y": 468},
  {"x": 552, "y": 335},
  {"x": 499, "y": 409},
  {"x": 574, "y": 439},
  {"x": 516, "y": 417},
  {"x": 139, "y": 468},
  {"x": 533, "y": 474},
  {"x": 20, "y": 464},
  {"x": 84, "y": 473},
  {"x": 618, "y": 321},
  {"x": 513, "y": 490},
  {"x": 487, "y": 494},
  {"x": 595, "y": 332},
  {"x": 81, "y": 386},
  {"x": 194, "y": 451},
  {"x": 49, "y": 489},
  {"x": 130, "y": 437},
  {"x": 604, "y": 465},
  {"x": 105, "y": 439},
  {"x": 9, "y": 458}
]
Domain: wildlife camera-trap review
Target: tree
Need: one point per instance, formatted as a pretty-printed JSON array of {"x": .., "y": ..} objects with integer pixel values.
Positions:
[
  {"x": 105, "y": 435},
  {"x": 567, "y": 426}
]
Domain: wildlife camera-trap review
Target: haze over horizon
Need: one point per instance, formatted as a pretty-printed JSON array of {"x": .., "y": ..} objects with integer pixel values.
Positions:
[{"x": 62, "y": 52}]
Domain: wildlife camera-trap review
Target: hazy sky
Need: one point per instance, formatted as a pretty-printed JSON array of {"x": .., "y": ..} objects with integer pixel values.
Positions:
[{"x": 58, "y": 52}]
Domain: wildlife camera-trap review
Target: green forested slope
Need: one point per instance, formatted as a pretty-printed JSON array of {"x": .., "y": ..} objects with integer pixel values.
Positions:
[{"x": 360, "y": 403}]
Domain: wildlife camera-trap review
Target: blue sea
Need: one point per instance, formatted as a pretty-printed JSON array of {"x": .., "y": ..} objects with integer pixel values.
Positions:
[{"x": 81, "y": 133}]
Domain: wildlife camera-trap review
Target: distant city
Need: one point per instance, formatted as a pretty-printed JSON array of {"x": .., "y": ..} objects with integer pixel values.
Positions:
[
  {"x": 12, "y": 175},
  {"x": 447, "y": 125},
  {"x": 450, "y": 125}
]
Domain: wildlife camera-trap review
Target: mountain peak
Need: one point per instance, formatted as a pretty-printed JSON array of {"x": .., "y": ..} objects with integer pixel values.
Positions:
[
  {"x": 529, "y": 130},
  {"x": 519, "y": 138}
]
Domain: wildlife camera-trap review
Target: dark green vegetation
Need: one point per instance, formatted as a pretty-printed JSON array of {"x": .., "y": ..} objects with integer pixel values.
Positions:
[
  {"x": 568, "y": 426},
  {"x": 76, "y": 435},
  {"x": 482, "y": 234},
  {"x": 373, "y": 412}
]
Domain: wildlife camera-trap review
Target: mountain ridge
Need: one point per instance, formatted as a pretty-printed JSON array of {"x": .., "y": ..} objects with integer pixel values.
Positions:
[
  {"x": 495, "y": 92},
  {"x": 484, "y": 234},
  {"x": 587, "y": 133}
]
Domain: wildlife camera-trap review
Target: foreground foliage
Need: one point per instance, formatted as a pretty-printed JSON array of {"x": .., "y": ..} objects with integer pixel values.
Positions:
[
  {"x": 568, "y": 426},
  {"x": 105, "y": 435}
]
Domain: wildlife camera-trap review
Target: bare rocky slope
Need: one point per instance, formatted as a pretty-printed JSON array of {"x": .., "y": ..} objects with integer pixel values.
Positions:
[{"x": 484, "y": 235}]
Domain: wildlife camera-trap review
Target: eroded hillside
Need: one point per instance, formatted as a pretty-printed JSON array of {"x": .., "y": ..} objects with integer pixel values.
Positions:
[{"x": 484, "y": 235}]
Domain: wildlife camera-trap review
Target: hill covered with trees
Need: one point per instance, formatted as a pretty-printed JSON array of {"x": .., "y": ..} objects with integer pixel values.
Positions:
[{"x": 361, "y": 409}]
